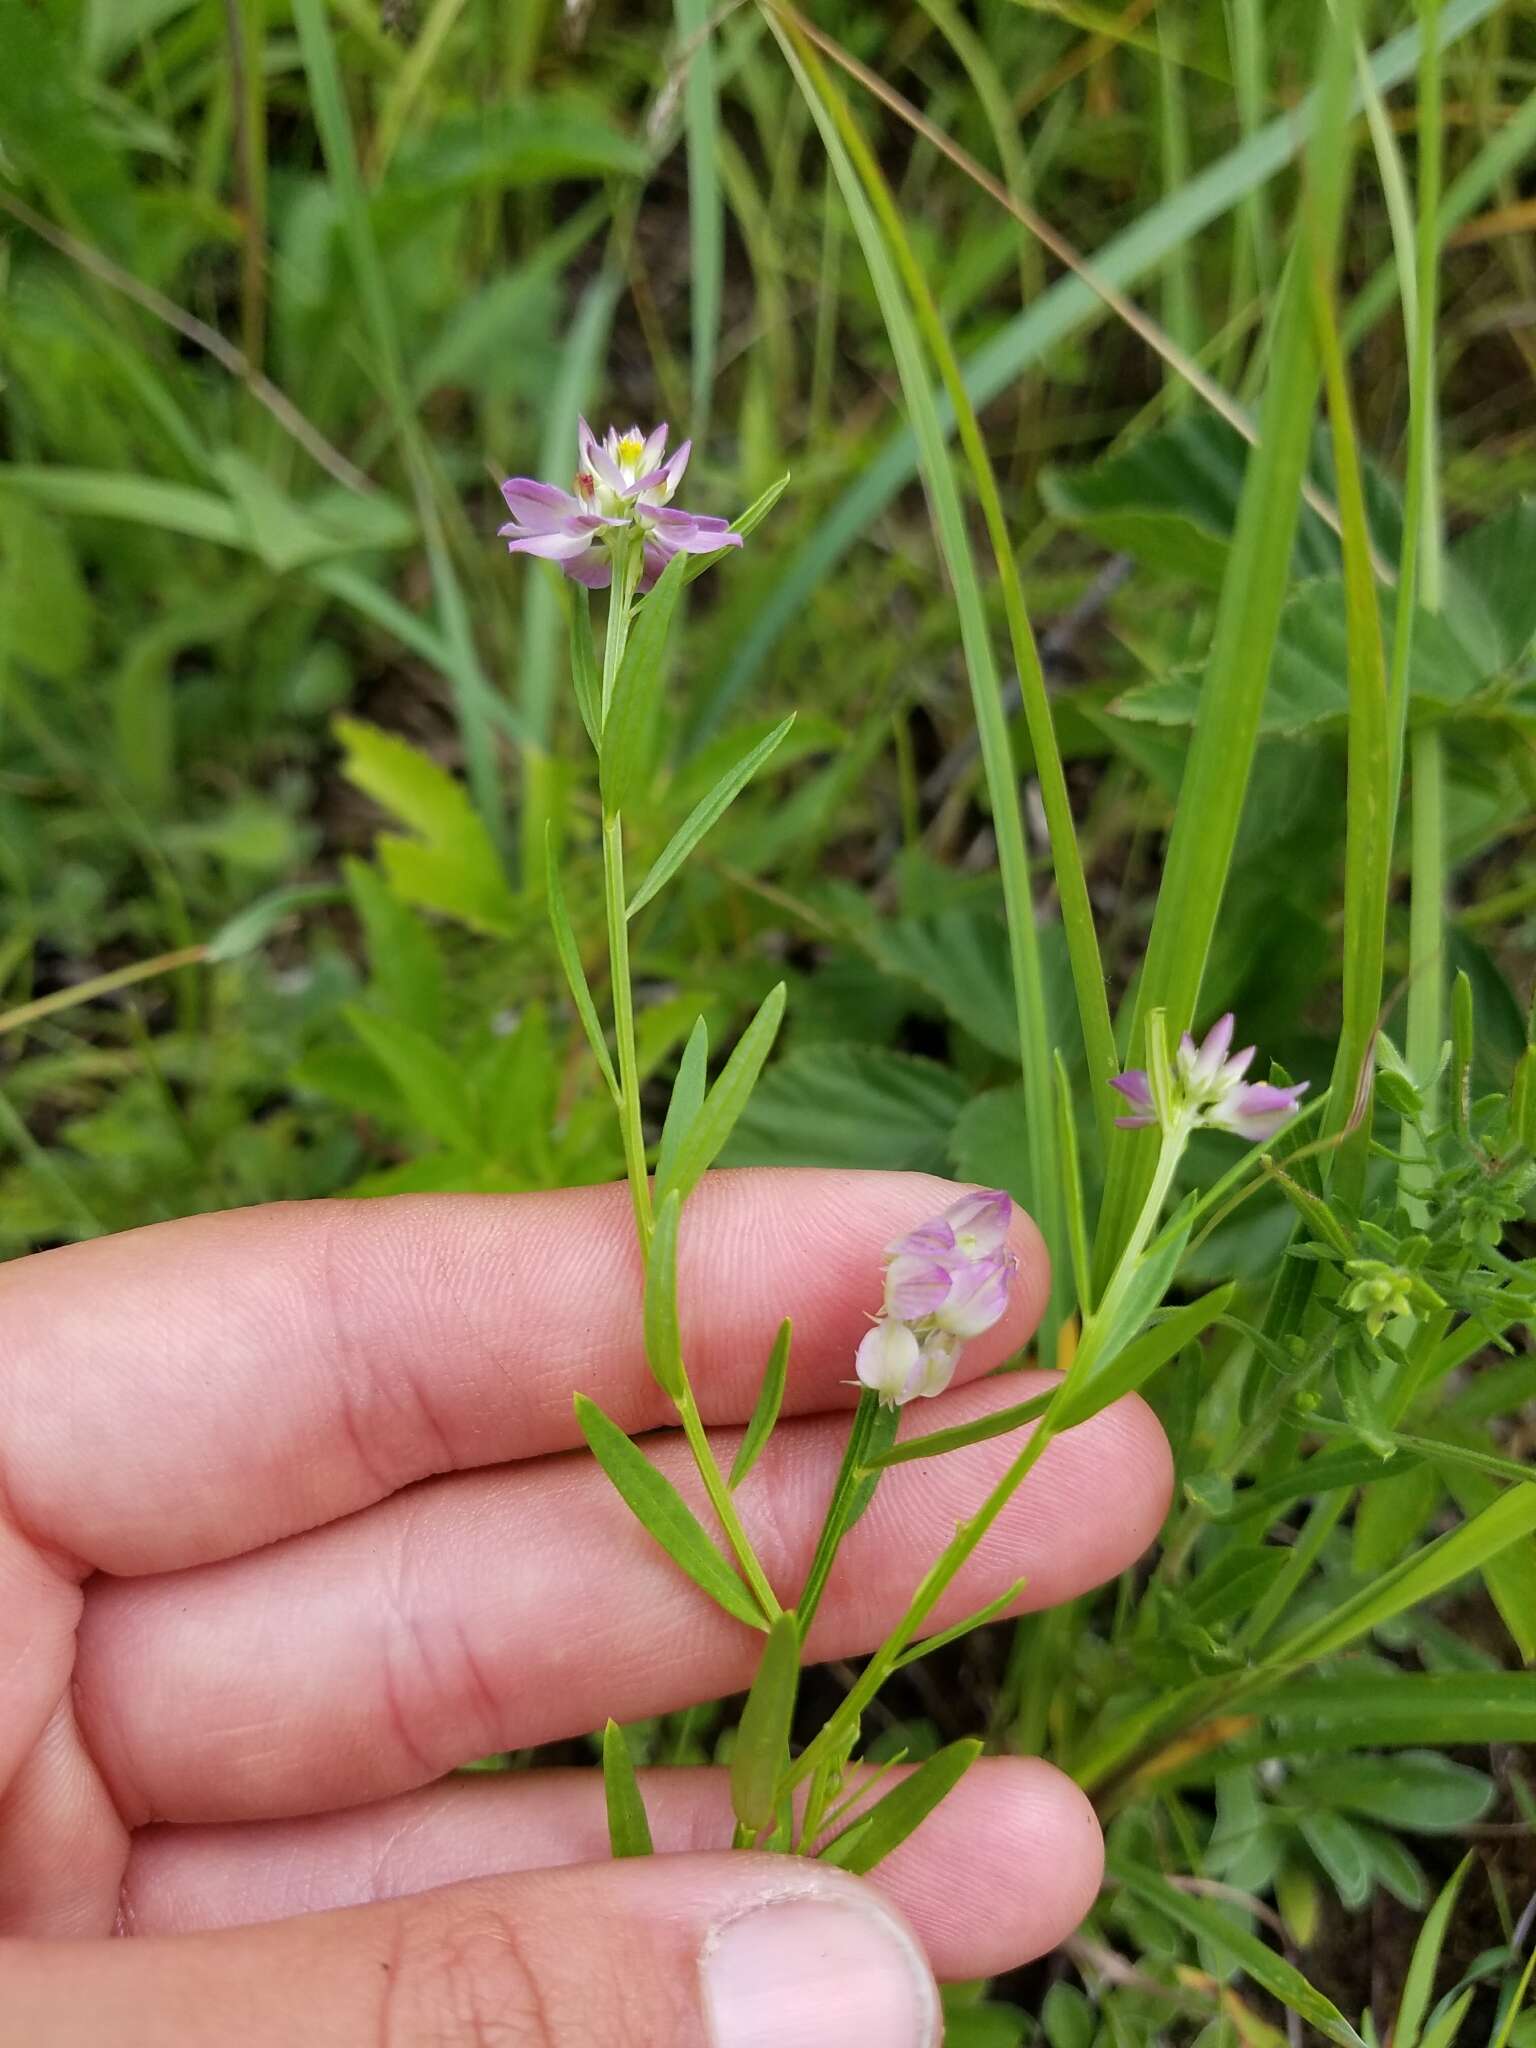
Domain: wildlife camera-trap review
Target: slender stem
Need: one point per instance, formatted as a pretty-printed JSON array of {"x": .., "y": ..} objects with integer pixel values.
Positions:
[
  {"x": 969, "y": 1534},
  {"x": 630, "y": 1123},
  {"x": 725, "y": 1508}
]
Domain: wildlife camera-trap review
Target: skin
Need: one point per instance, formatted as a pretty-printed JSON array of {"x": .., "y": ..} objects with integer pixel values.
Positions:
[{"x": 294, "y": 1519}]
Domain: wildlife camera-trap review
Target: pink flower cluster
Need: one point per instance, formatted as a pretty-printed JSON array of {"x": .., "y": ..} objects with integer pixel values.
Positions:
[
  {"x": 945, "y": 1282},
  {"x": 1210, "y": 1088},
  {"x": 623, "y": 494}
]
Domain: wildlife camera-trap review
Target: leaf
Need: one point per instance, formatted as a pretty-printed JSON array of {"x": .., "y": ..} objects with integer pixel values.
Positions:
[
  {"x": 990, "y": 1142},
  {"x": 706, "y": 813},
  {"x": 1423, "y": 1792},
  {"x": 766, "y": 1412},
  {"x": 519, "y": 142},
  {"x": 249, "y": 927},
  {"x": 663, "y": 1341},
  {"x": 723, "y": 1105},
  {"x": 686, "y": 1099},
  {"x": 658, "y": 1506},
  {"x": 629, "y": 726},
  {"x": 873, "y": 1431},
  {"x": 960, "y": 959},
  {"x": 46, "y": 608},
  {"x": 1419, "y": 1983},
  {"x": 1339, "y": 1849},
  {"x": 403, "y": 958},
  {"x": 431, "y": 1084},
  {"x": 850, "y": 1105},
  {"x": 575, "y": 973},
  {"x": 963, "y": 1434},
  {"x": 586, "y": 677},
  {"x": 1349, "y": 1709},
  {"x": 1415, "y": 1579},
  {"x": 761, "y": 1755},
  {"x": 869, "y": 1839},
  {"x": 1123, "y": 1372},
  {"x": 452, "y": 866},
  {"x": 1490, "y": 592},
  {"x": 629, "y": 1832},
  {"x": 1208, "y": 1923}
]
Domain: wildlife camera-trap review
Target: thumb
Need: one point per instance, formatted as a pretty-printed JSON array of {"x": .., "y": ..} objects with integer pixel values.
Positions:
[{"x": 733, "y": 1951}]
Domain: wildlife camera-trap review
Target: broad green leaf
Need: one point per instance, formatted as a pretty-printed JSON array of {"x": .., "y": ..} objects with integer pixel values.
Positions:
[
  {"x": 988, "y": 1143},
  {"x": 629, "y": 728},
  {"x": 451, "y": 866},
  {"x": 432, "y": 1085},
  {"x": 1415, "y": 1579},
  {"x": 1209, "y": 1923},
  {"x": 660, "y": 1508},
  {"x": 704, "y": 814},
  {"x": 1490, "y": 592},
  {"x": 684, "y": 1104},
  {"x": 850, "y": 1105},
  {"x": 867, "y": 1841},
  {"x": 629, "y": 1832},
  {"x": 1122, "y": 1372},
  {"x": 766, "y": 1412},
  {"x": 575, "y": 973},
  {"x": 723, "y": 1105},
  {"x": 663, "y": 1342},
  {"x": 1422, "y": 1792},
  {"x": 46, "y": 609},
  {"x": 761, "y": 1755},
  {"x": 404, "y": 962},
  {"x": 959, "y": 957},
  {"x": 1336, "y": 1844},
  {"x": 515, "y": 143}
]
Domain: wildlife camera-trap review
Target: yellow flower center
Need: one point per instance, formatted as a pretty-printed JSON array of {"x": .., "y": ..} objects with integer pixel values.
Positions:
[{"x": 630, "y": 449}]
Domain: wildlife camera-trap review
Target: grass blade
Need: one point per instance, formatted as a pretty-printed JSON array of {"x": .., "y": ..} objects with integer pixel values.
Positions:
[{"x": 1221, "y": 751}]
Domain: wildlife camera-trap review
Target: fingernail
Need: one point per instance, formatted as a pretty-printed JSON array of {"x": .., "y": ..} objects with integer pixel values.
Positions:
[{"x": 818, "y": 1973}]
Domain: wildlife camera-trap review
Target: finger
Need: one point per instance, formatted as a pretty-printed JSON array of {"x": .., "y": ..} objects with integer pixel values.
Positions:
[
  {"x": 967, "y": 1880},
  {"x": 695, "y": 1951},
  {"x": 495, "y": 1610},
  {"x": 231, "y": 1379}
]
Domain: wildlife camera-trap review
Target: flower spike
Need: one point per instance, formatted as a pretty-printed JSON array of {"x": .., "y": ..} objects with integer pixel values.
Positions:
[
  {"x": 945, "y": 1282},
  {"x": 1209, "y": 1090}
]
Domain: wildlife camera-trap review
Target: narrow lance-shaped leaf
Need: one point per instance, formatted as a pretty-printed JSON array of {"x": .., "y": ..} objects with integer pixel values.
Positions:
[
  {"x": 629, "y": 1832},
  {"x": 874, "y": 1430},
  {"x": 663, "y": 1340},
  {"x": 1425, "y": 1960},
  {"x": 724, "y": 1103},
  {"x": 766, "y": 1413},
  {"x": 656, "y": 1503},
  {"x": 575, "y": 973},
  {"x": 762, "y": 1737},
  {"x": 706, "y": 813},
  {"x": 754, "y": 515},
  {"x": 868, "y": 1840},
  {"x": 687, "y": 1095},
  {"x": 1130, "y": 1368}
]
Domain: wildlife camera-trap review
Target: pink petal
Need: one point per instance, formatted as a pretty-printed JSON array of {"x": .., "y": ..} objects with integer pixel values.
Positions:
[
  {"x": 1134, "y": 1086},
  {"x": 539, "y": 507},
  {"x": 915, "y": 1287},
  {"x": 672, "y": 469},
  {"x": 977, "y": 1297},
  {"x": 980, "y": 1221},
  {"x": 651, "y": 454},
  {"x": 1218, "y": 1042},
  {"x": 594, "y": 570},
  {"x": 551, "y": 547}
]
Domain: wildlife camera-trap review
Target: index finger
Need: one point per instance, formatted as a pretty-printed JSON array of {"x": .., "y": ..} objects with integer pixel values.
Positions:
[{"x": 196, "y": 1389}]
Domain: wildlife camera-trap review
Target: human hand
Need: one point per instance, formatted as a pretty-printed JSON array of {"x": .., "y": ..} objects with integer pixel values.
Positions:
[{"x": 291, "y": 1524}]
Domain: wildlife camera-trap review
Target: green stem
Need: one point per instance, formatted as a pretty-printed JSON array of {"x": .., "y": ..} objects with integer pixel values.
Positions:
[
  {"x": 969, "y": 1534},
  {"x": 724, "y": 1506},
  {"x": 630, "y": 1123}
]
